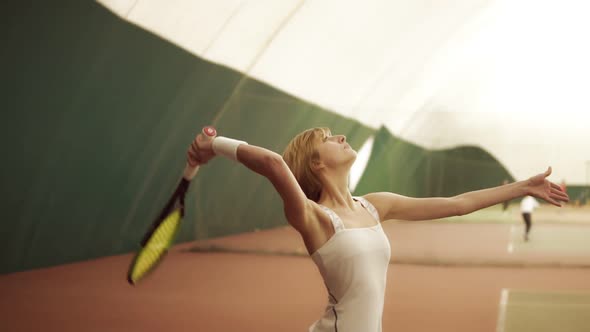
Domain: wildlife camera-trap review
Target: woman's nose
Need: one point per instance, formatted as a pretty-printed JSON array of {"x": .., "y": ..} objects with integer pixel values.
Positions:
[{"x": 342, "y": 139}]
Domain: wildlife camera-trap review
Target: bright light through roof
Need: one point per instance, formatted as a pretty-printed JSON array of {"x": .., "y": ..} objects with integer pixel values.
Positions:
[
  {"x": 361, "y": 162},
  {"x": 543, "y": 62},
  {"x": 509, "y": 76},
  {"x": 514, "y": 81}
]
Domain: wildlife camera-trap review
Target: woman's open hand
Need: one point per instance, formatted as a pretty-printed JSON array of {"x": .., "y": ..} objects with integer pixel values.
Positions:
[{"x": 538, "y": 186}]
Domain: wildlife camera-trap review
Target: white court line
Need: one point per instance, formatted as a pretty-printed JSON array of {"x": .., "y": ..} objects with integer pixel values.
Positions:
[
  {"x": 511, "y": 236},
  {"x": 502, "y": 310}
]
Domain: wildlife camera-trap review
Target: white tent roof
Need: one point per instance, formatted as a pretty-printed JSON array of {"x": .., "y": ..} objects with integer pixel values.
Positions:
[{"x": 507, "y": 75}]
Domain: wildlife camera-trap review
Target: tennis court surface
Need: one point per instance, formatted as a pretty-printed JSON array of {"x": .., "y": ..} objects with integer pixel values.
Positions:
[
  {"x": 443, "y": 277},
  {"x": 543, "y": 311}
]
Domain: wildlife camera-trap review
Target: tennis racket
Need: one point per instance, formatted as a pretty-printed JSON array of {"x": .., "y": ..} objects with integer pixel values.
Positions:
[{"x": 161, "y": 234}]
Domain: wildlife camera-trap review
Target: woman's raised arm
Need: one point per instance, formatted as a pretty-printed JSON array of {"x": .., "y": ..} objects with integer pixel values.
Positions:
[{"x": 297, "y": 207}]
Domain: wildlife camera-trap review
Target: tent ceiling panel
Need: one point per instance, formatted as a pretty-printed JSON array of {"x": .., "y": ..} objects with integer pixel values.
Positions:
[{"x": 491, "y": 73}]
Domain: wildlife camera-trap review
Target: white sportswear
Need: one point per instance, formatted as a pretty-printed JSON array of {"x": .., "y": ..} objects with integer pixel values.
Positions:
[
  {"x": 528, "y": 204},
  {"x": 353, "y": 264}
]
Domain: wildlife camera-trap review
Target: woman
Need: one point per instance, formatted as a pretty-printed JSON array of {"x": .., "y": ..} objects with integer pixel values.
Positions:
[{"x": 343, "y": 234}]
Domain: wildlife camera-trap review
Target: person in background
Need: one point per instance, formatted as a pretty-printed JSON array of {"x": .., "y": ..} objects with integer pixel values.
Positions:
[
  {"x": 506, "y": 202},
  {"x": 527, "y": 205}
]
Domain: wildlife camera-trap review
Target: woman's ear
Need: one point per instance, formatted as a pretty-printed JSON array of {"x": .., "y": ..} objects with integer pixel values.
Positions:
[{"x": 317, "y": 165}]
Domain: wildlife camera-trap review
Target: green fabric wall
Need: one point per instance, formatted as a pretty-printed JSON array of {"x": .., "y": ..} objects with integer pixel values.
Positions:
[
  {"x": 579, "y": 194},
  {"x": 405, "y": 168},
  {"x": 97, "y": 116}
]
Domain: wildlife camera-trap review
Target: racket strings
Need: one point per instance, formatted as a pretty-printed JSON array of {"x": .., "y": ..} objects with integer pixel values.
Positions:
[{"x": 157, "y": 245}]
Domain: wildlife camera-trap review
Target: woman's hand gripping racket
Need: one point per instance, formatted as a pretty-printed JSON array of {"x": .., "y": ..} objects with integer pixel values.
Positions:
[{"x": 162, "y": 232}]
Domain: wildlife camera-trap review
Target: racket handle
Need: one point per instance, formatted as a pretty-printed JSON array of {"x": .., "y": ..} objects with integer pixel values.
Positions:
[{"x": 190, "y": 171}]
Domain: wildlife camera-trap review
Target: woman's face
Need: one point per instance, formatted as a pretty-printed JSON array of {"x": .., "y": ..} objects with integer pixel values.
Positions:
[{"x": 334, "y": 151}]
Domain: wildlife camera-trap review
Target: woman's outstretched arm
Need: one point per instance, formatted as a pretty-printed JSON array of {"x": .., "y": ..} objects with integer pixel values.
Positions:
[{"x": 393, "y": 206}]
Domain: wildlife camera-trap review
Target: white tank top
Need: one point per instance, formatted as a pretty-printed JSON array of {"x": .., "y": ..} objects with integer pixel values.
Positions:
[{"x": 353, "y": 264}]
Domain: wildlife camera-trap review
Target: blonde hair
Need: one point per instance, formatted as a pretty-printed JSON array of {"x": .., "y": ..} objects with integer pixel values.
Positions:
[{"x": 299, "y": 155}]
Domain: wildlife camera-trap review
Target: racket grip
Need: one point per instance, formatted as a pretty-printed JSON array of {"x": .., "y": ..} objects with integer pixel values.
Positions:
[{"x": 190, "y": 171}]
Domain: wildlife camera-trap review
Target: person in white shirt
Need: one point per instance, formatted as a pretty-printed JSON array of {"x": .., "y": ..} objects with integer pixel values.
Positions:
[
  {"x": 527, "y": 205},
  {"x": 342, "y": 233},
  {"x": 506, "y": 202}
]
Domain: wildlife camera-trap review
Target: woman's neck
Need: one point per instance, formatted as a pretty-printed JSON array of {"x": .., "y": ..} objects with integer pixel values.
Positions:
[{"x": 335, "y": 192}]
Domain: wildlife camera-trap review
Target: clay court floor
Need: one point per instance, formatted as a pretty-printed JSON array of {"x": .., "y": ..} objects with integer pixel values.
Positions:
[{"x": 443, "y": 277}]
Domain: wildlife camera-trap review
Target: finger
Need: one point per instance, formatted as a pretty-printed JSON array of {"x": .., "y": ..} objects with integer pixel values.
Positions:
[
  {"x": 559, "y": 198},
  {"x": 207, "y": 155},
  {"x": 197, "y": 139},
  {"x": 556, "y": 186},
  {"x": 552, "y": 201},
  {"x": 190, "y": 160},
  {"x": 201, "y": 141},
  {"x": 548, "y": 171},
  {"x": 193, "y": 151},
  {"x": 195, "y": 145},
  {"x": 194, "y": 156},
  {"x": 556, "y": 191},
  {"x": 559, "y": 193}
]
